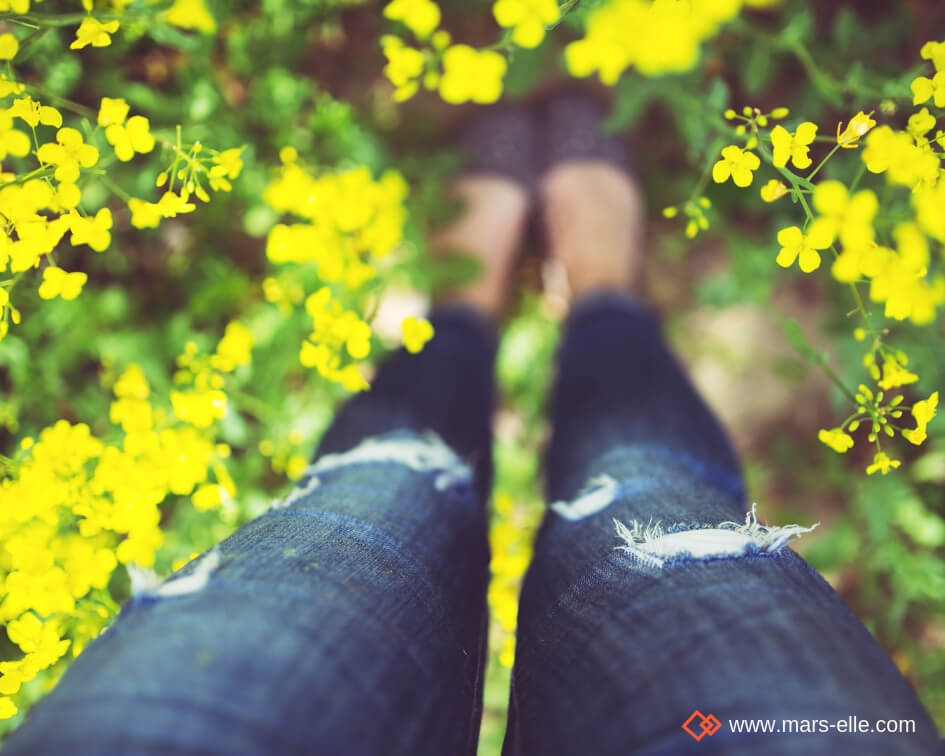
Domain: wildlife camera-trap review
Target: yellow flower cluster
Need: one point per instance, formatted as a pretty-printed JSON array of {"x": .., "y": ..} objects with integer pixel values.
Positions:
[
  {"x": 888, "y": 249},
  {"x": 191, "y": 14},
  {"x": 695, "y": 211},
  {"x": 526, "y": 18},
  {"x": 351, "y": 224},
  {"x": 285, "y": 455},
  {"x": 73, "y": 507},
  {"x": 666, "y": 38},
  {"x": 510, "y": 542},
  {"x": 654, "y": 36},
  {"x": 416, "y": 332},
  {"x": 337, "y": 334},
  {"x": 459, "y": 73},
  {"x": 42, "y": 203}
]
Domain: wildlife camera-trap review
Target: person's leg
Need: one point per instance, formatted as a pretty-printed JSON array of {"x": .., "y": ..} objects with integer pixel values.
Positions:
[
  {"x": 625, "y": 631},
  {"x": 350, "y": 619}
]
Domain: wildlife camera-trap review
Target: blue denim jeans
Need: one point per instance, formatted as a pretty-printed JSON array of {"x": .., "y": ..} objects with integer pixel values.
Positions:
[{"x": 351, "y": 618}]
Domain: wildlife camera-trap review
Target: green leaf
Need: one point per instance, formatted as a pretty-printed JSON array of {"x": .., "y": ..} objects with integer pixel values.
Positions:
[
  {"x": 633, "y": 94},
  {"x": 798, "y": 28},
  {"x": 847, "y": 29},
  {"x": 795, "y": 334}
]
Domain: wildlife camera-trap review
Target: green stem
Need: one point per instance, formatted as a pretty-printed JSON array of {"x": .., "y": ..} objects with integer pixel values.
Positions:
[
  {"x": 41, "y": 172},
  {"x": 850, "y": 419},
  {"x": 862, "y": 309},
  {"x": 835, "y": 379},
  {"x": 707, "y": 171},
  {"x": 253, "y": 405},
  {"x": 563, "y": 10},
  {"x": 823, "y": 162},
  {"x": 28, "y": 41},
  {"x": 62, "y": 102},
  {"x": 859, "y": 175},
  {"x": 113, "y": 186},
  {"x": 63, "y": 19}
]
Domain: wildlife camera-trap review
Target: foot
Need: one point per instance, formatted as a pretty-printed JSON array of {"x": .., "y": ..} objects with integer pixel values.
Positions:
[
  {"x": 592, "y": 206},
  {"x": 490, "y": 230},
  {"x": 496, "y": 190},
  {"x": 593, "y": 214}
]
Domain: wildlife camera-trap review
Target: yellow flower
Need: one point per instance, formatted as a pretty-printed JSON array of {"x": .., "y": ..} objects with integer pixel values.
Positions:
[
  {"x": 8, "y": 87},
  {"x": 882, "y": 463},
  {"x": 416, "y": 332},
  {"x": 920, "y": 124},
  {"x": 144, "y": 214},
  {"x": 527, "y": 17},
  {"x": 93, "y": 32},
  {"x": 899, "y": 277},
  {"x": 928, "y": 202},
  {"x": 773, "y": 190},
  {"x": 226, "y": 165},
  {"x": 58, "y": 283},
  {"x": 924, "y": 88},
  {"x": 199, "y": 408},
  {"x": 112, "y": 111},
  {"x": 9, "y": 46},
  {"x": 171, "y": 205},
  {"x": 404, "y": 65},
  {"x": 7, "y": 707},
  {"x": 96, "y": 231},
  {"x": 737, "y": 164},
  {"x": 41, "y": 640},
  {"x": 351, "y": 379},
  {"x": 793, "y": 146},
  {"x": 655, "y": 36},
  {"x": 234, "y": 348},
  {"x": 850, "y": 218},
  {"x": 12, "y": 141},
  {"x": 208, "y": 496},
  {"x": 922, "y": 412},
  {"x": 318, "y": 356},
  {"x": 34, "y": 114},
  {"x": 795, "y": 245},
  {"x": 16, "y": 6},
  {"x": 132, "y": 384},
  {"x": 67, "y": 196},
  {"x": 130, "y": 137},
  {"x": 849, "y": 137},
  {"x": 191, "y": 14},
  {"x": 935, "y": 52},
  {"x": 836, "y": 439},
  {"x": 68, "y": 155},
  {"x": 895, "y": 375},
  {"x": 470, "y": 74},
  {"x": 420, "y": 16},
  {"x": 895, "y": 153}
]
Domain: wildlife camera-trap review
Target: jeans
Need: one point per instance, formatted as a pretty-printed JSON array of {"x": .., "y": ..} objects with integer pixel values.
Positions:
[{"x": 351, "y": 618}]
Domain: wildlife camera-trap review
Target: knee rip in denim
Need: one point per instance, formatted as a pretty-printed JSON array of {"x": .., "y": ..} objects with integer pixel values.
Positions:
[
  {"x": 423, "y": 453},
  {"x": 146, "y": 587},
  {"x": 656, "y": 546}
]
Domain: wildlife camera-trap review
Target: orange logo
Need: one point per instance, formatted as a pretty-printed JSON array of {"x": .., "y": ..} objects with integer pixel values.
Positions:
[{"x": 699, "y": 725}]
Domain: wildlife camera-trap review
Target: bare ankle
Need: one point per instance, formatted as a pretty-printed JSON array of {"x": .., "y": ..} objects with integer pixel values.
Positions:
[
  {"x": 489, "y": 230},
  {"x": 594, "y": 216}
]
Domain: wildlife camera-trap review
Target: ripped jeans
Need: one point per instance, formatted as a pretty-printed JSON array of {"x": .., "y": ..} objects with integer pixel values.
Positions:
[{"x": 351, "y": 618}]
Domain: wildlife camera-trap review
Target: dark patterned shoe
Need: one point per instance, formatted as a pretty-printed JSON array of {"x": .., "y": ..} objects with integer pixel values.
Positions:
[
  {"x": 571, "y": 123},
  {"x": 501, "y": 140}
]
